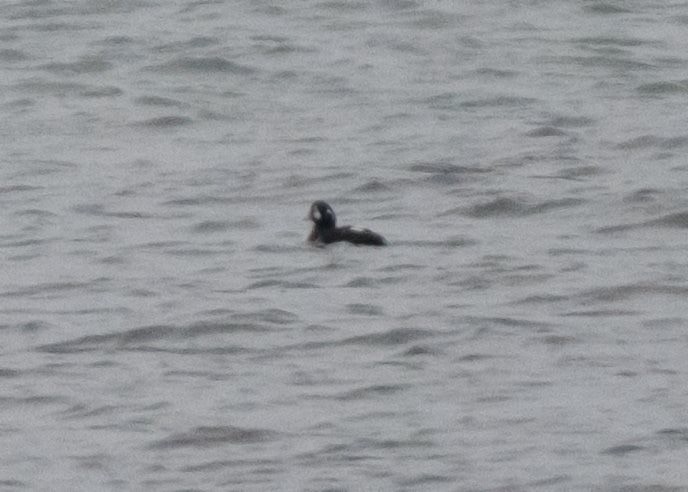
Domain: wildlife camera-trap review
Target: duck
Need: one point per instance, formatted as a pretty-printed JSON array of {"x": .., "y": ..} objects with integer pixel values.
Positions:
[{"x": 325, "y": 230}]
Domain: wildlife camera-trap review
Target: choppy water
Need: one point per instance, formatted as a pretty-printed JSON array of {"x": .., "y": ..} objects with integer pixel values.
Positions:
[{"x": 165, "y": 327}]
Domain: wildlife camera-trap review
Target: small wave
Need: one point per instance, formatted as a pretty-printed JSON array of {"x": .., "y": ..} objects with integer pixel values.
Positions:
[
  {"x": 371, "y": 186},
  {"x": 21, "y": 243},
  {"x": 445, "y": 167},
  {"x": 602, "y": 313},
  {"x": 277, "y": 248},
  {"x": 377, "y": 443},
  {"x": 38, "y": 400},
  {"x": 204, "y": 437},
  {"x": 165, "y": 122},
  {"x": 230, "y": 464},
  {"x": 360, "y": 282},
  {"x": 497, "y": 73},
  {"x": 282, "y": 284},
  {"x": 140, "y": 338},
  {"x": 674, "y": 434},
  {"x": 203, "y": 65},
  {"x": 401, "y": 267},
  {"x": 509, "y": 207},
  {"x": 665, "y": 87},
  {"x": 158, "y": 101},
  {"x": 613, "y": 41},
  {"x": 214, "y": 350},
  {"x": 419, "y": 350},
  {"x": 482, "y": 322},
  {"x": 98, "y": 210},
  {"x": 70, "y": 89},
  {"x": 578, "y": 172},
  {"x": 10, "y": 55},
  {"x": 9, "y": 373},
  {"x": 605, "y": 8},
  {"x": 398, "y": 4},
  {"x": 664, "y": 323},
  {"x": 649, "y": 141},
  {"x": 247, "y": 224},
  {"x": 90, "y": 343},
  {"x": 678, "y": 220},
  {"x": 193, "y": 43},
  {"x": 77, "y": 68},
  {"x": 272, "y": 38},
  {"x": 548, "y": 205},
  {"x": 21, "y": 104},
  {"x": 14, "y": 484},
  {"x": 79, "y": 411},
  {"x": 80, "y": 9},
  {"x": 371, "y": 391},
  {"x": 433, "y": 20},
  {"x": 191, "y": 251},
  {"x": 341, "y": 6},
  {"x": 194, "y": 201},
  {"x": 546, "y": 131},
  {"x": 426, "y": 481},
  {"x": 366, "y": 309},
  {"x": 395, "y": 336},
  {"x": 103, "y": 91},
  {"x": 622, "y": 449},
  {"x": 116, "y": 41},
  {"x": 301, "y": 181},
  {"x": 453, "y": 242},
  {"x": 451, "y": 101},
  {"x": 60, "y": 26},
  {"x": 271, "y": 316},
  {"x": 542, "y": 299},
  {"x": 19, "y": 188},
  {"x": 557, "y": 340},
  {"x": 624, "y": 292},
  {"x": 497, "y": 207},
  {"x": 211, "y": 226},
  {"x": 47, "y": 289},
  {"x": 601, "y": 61},
  {"x": 500, "y": 101},
  {"x": 642, "y": 195},
  {"x": 283, "y": 48},
  {"x": 571, "y": 121}
]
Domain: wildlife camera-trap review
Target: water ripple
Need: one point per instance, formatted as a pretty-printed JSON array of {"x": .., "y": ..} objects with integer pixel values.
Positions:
[
  {"x": 512, "y": 207},
  {"x": 203, "y": 65},
  {"x": 204, "y": 437}
]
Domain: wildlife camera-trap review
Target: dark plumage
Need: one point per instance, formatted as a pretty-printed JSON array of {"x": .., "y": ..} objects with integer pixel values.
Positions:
[{"x": 325, "y": 228}]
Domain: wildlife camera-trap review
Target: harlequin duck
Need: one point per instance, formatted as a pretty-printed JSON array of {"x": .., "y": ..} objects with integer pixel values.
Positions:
[{"x": 325, "y": 230}]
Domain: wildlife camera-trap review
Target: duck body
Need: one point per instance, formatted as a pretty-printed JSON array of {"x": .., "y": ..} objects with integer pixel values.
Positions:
[{"x": 325, "y": 230}]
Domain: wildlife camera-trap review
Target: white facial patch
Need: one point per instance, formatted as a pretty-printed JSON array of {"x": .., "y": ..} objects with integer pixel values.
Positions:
[{"x": 316, "y": 214}]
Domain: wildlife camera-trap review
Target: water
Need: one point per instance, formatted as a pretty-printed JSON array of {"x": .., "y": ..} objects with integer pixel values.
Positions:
[{"x": 165, "y": 327}]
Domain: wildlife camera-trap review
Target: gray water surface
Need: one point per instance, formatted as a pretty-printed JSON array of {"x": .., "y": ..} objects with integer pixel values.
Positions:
[{"x": 165, "y": 326}]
